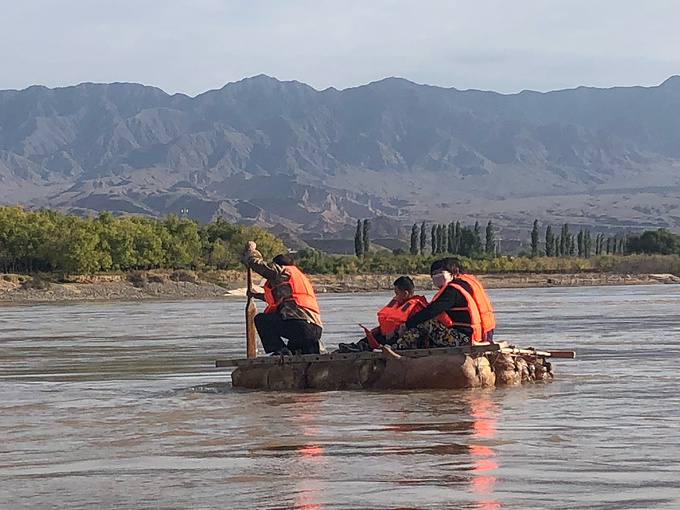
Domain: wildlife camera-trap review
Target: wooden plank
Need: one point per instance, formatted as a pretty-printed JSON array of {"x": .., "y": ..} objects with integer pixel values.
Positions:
[
  {"x": 540, "y": 354},
  {"x": 562, "y": 354},
  {"x": 355, "y": 356}
]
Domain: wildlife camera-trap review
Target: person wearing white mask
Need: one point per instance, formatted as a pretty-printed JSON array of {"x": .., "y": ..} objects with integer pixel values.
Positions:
[{"x": 452, "y": 318}]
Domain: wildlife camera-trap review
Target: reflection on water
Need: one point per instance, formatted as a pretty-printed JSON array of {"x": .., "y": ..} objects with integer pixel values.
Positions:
[
  {"x": 119, "y": 406},
  {"x": 303, "y": 420},
  {"x": 483, "y": 412}
]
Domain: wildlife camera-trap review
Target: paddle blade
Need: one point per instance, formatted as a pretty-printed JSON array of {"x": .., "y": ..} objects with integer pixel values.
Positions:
[{"x": 372, "y": 342}]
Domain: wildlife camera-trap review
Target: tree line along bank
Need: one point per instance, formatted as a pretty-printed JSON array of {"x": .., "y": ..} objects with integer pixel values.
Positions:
[
  {"x": 50, "y": 242},
  {"x": 467, "y": 241}
]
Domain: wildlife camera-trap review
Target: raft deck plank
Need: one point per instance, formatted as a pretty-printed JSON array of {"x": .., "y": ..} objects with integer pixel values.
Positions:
[{"x": 355, "y": 356}]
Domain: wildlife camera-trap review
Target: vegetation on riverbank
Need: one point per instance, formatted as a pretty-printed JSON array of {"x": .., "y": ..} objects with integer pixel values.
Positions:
[
  {"x": 47, "y": 243},
  {"x": 314, "y": 262}
]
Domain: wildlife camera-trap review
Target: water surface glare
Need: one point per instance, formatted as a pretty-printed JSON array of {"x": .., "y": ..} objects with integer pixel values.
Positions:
[{"x": 118, "y": 405}]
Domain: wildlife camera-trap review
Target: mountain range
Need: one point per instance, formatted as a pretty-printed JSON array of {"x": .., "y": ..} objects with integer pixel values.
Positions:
[{"x": 308, "y": 163}]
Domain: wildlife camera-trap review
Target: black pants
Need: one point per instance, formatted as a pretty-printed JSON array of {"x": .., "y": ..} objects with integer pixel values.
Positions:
[{"x": 302, "y": 336}]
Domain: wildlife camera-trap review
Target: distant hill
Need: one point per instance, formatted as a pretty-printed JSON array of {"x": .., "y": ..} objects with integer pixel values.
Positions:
[{"x": 309, "y": 163}]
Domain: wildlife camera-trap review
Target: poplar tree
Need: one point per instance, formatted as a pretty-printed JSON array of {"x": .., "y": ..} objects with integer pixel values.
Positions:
[
  {"x": 433, "y": 239},
  {"x": 365, "y": 239},
  {"x": 489, "y": 246},
  {"x": 579, "y": 243},
  {"x": 477, "y": 230},
  {"x": 414, "y": 239},
  {"x": 423, "y": 238},
  {"x": 451, "y": 238},
  {"x": 468, "y": 242},
  {"x": 534, "y": 239},
  {"x": 600, "y": 244},
  {"x": 441, "y": 232},
  {"x": 358, "y": 241},
  {"x": 564, "y": 240},
  {"x": 458, "y": 234},
  {"x": 549, "y": 241}
]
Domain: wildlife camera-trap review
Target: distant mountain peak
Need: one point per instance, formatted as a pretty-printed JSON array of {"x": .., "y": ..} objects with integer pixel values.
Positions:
[
  {"x": 267, "y": 81},
  {"x": 673, "y": 81}
]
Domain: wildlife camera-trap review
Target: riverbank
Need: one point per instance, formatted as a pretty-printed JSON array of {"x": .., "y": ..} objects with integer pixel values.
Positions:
[{"x": 174, "y": 285}]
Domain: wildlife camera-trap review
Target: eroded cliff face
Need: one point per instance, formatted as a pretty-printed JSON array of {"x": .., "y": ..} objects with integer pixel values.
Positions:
[{"x": 285, "y": 156}]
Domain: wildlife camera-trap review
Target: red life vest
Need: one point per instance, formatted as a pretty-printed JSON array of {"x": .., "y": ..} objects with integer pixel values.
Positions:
[
  {"x": 302, "y": 292},
  {"x": 392, "y": 315},
  {"x": 475, "y": 320},
  {"x": 483, "y": 303}
]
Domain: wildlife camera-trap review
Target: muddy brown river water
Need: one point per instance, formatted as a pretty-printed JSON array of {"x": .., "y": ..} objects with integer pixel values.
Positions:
[{"x": 117, "y": 405}]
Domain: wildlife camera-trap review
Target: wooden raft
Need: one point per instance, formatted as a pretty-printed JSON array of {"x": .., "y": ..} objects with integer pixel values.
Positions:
[{"x": 480, "y": 365}]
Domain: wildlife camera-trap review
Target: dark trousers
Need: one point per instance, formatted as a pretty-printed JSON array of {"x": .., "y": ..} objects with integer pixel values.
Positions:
[{"x": 302, "y": 336}]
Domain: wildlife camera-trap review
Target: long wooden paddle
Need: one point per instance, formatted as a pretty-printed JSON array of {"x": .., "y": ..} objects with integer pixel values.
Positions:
[{"x": 251, "y": 346}]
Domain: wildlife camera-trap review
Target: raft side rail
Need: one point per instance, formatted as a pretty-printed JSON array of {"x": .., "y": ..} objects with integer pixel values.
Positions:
[{"x": 356, "y": 356}]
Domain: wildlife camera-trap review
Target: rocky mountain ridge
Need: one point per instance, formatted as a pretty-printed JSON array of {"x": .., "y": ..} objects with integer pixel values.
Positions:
[{"x": 310, "y": 163}]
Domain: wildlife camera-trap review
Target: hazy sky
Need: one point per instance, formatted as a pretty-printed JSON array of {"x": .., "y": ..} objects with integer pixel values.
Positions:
[{"x": 198, "y": 45}]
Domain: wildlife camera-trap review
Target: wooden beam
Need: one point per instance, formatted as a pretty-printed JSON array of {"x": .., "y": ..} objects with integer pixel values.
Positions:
[
  {"x": 356, "y": 356},
  {"x": 540, "y": 354}
]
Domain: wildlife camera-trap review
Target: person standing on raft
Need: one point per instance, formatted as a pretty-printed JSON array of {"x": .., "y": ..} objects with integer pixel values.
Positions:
[
  {"x": 452, "y": 318},
  {"x": 292, "y": 311}
]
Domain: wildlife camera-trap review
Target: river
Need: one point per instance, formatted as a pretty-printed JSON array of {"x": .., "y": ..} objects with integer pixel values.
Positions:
[{"x": 118, "y": 405}]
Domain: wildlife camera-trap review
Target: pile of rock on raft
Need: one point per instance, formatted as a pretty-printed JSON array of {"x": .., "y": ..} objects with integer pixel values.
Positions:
[{"x": 477, "y": 366}]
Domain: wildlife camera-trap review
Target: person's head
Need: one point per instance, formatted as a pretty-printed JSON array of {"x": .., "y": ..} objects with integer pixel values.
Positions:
[
  {"x": 444, "y": 270},
  {"x": 403, "y": 289},
  {"x": 284, "y": 259}
]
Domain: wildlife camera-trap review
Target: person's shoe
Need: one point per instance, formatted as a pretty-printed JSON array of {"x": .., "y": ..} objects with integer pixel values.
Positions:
[
  {"x": 284, "y": 351},
  {"x": 363, "y": 345},
  {"x": 346, "y": 348}
]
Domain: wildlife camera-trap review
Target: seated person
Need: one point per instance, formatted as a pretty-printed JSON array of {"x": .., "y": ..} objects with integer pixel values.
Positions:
[
  {"x": 479, "y": 295},
  {"x": 401, "y": 307},
  {"x": 451, "y": 319},
  {"x": 292, "y": 311}
]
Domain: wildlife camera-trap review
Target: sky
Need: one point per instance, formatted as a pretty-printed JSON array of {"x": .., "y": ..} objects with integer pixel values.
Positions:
[{"x": 194, "y": 46}]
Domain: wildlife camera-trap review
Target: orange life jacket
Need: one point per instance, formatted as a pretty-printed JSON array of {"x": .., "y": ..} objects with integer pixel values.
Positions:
[
  {"x": 475, "y": 320},
  {"x": 392, "y": 315},
  {"x": 302, "y": 292},
  {"x": 483, "y": 303}
]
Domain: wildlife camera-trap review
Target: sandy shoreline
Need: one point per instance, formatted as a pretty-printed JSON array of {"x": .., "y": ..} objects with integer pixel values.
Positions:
[{"x": 18, "y": 289}]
